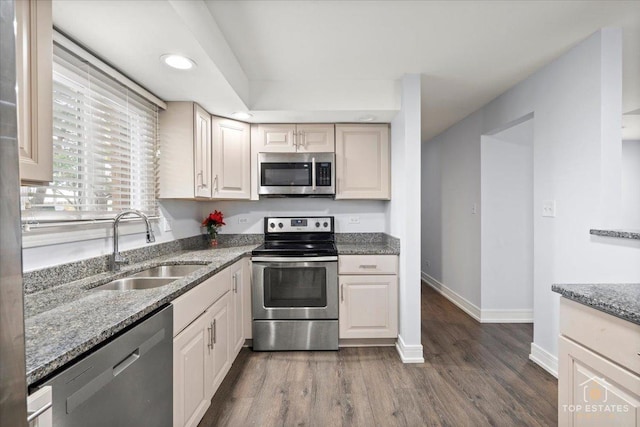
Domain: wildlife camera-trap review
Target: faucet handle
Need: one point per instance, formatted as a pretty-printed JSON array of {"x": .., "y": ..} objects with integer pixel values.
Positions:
[{"x": 150, "y": 236}]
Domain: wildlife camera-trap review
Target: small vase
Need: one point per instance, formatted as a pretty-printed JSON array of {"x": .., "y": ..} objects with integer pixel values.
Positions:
[{"x": 213, "y": 240}]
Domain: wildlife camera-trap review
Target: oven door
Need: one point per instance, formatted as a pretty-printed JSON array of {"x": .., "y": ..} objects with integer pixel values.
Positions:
[{"x": 295, "y": 288}]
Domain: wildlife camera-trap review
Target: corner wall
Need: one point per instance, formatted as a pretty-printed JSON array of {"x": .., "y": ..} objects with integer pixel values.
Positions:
[
  {"x": 403, "y": 215},
  {"x": 576, "y": 101}
]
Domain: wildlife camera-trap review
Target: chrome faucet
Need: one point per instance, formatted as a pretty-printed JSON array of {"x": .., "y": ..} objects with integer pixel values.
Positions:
[{"x": 116, "y": 258}]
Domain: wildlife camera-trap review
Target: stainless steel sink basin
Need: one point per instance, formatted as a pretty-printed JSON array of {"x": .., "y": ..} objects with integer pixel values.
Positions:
[
  {"x": 131, "y": 283},
  {"x": 169, "y": 271}
]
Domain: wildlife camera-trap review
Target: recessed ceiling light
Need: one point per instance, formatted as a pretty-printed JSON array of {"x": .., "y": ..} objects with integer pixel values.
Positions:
[
  {"x": 368, "y": 118},
  {"x": 241, "y": 115},
  {"x": 178, "y": 61}
]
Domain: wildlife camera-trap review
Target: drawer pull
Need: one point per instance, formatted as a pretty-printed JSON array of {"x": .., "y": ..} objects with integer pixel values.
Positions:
[{"x": 368, "y": 266}]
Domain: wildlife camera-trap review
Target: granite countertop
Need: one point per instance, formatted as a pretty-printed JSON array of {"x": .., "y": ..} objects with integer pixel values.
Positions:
[
  {"x": 620, "y": 300},
  {"x": 622, "y": 234},
  {"x": 367, "y": 248},
  {"x": 65, "y": 321}
]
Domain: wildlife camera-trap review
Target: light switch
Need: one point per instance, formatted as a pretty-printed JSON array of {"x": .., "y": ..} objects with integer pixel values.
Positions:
[
  {"x": 549, "y": 208},
  {"x": 243, "y": 220}
]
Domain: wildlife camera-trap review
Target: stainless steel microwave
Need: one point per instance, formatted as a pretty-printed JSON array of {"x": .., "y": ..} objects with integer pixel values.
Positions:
[{"x": 296, "y": 174}]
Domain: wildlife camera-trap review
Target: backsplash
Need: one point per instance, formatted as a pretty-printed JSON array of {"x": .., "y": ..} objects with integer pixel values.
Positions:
[{"x": 38, "y": 280}]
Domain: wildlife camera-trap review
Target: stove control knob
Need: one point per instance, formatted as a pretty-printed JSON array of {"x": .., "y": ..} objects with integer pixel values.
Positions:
[
  {"x": 272, "y": 225},
  {"x": 280, "y": 225},
  {"x": 317, "y": 224},
  {"x": 325, "y": 225}
]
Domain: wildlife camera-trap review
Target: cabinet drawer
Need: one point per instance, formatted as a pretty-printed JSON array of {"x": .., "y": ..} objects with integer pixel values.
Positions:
[
  {"x": 612, "y": 337},
  {"x": 368, "y": 264},
  {"x": 187, "y": 307}
]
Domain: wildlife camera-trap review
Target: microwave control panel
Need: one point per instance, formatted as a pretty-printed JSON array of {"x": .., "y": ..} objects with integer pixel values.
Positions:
[
  {"x": 323, "y": 174},
  {"x": 297, "y": 225}
]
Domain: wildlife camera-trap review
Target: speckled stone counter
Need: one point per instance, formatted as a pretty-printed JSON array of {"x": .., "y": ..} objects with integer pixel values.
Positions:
[
  {"x": 620, "y": 300},
  {"x": 621, "y": 234},
  {"x": 65, "y": 321},
  {"x": 367, "y": 244}
]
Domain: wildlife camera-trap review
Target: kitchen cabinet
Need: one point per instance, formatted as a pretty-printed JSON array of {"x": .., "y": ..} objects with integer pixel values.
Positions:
[
  {"x": 192, "y": 372},
  {"x": 291, "y": 138},
  {"x": 240, "y": 288},
  {"x": 208, "y": 323},
  {"x": 185, "y": 152},
  {"x": 39, "y": 408},
  {"x": 220, "y": 343},
  {"x": 368, "y": 296},
  {"x": 34, "y": 81},
  {"x": 363, "y": 158},
  {"x": 599, "y": 368},
  {"x": 231, "y": 141}
]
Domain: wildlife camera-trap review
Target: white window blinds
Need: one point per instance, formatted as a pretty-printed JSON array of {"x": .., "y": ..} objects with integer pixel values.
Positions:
[{"x": 104, "y": 148}]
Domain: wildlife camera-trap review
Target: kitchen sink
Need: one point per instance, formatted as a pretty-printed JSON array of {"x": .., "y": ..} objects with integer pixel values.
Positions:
[
  {"x": 132, "y": 283},
  {"x": 169, "y": 271}
]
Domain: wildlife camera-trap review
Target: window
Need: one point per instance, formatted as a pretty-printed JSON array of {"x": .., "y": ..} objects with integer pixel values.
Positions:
[{"x": 104, "y": 148}]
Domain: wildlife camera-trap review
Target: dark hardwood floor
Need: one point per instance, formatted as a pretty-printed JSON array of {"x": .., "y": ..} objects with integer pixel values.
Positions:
[{"x": 474, "y": 374}]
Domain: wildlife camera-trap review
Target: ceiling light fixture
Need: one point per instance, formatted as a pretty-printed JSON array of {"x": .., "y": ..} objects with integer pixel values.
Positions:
[
  {"x": 177, "y": 61},
  {"x": 368, "y": 118},
  {"x": 241, "y": 115}
]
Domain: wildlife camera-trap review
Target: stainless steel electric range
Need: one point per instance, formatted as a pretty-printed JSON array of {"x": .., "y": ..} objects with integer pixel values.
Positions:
[{"x": 295, "y": 285}]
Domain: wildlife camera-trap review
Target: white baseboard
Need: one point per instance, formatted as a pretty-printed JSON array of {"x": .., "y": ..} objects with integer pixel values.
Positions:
[
  {"x": 544, "y": 359},
  {"x": 409, "y": 353},
  {"x": 464, "y": 304},
  {"x": 482, "y": 316},
  {"x": 506, "y": 316}
]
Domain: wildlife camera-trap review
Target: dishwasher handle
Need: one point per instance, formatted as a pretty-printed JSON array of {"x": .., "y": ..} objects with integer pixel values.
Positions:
[{"x": 128, "y": 361}]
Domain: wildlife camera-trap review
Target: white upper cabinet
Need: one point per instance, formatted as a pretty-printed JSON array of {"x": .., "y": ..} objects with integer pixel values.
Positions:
[
  {"x": 231, "y": 162},
  {"x": 363, "y": 162},
  {"x": 312, "y": 138},
  {"x": 34, "y": 79},
  {"x": 185, "y": 152},
  {"x": 289, "y": 138}
]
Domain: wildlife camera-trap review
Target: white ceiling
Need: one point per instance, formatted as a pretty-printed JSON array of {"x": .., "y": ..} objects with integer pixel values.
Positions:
[{"x": 340, "y": 60}]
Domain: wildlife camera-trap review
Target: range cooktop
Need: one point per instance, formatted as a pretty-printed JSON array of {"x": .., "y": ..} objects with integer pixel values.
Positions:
[{"x": 298, "y": 237}]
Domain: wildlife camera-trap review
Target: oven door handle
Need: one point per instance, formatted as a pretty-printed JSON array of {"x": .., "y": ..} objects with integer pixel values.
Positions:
[{"x": 293, "y": 259}]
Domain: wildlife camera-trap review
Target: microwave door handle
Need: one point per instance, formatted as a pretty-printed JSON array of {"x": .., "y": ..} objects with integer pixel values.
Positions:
[{"x": 313, "y": 173}]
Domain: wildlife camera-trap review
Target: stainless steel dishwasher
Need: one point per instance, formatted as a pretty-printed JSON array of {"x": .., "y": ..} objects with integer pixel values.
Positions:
[{"x": 127, "y": 382}]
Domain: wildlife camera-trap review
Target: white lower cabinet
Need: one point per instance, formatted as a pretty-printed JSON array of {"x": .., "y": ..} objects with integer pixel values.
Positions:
[
  {"x": 240, "y": 310},
  {"x": 368, "y": 296},
  {"x": 40, "y": 413},
  {"x": 192, "y": 372},
  {"x": 598, "y": 368},
  {"x": 209, "y": 323}
]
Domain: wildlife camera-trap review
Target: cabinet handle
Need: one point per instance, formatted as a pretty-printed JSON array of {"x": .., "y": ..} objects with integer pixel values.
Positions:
[
  {"x": 342, "y": 292},
  {"x": 295, "y": 134},
  {"x": 215, "y": 183},
  {"x": 368, "y": 266},
  {"x": 200, "y": 180},
  {"x": 214, "y": 332},
  {"x": 303, "y": 140},
  {"x": 210, "y": 339},
  {"x": 235, "y": 283}
]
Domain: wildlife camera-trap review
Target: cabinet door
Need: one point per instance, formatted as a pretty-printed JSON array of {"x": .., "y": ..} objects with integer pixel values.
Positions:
[
  {"x": 368, "y": 306},
  {"x": 363, "y": 162},
  {"x": 202, "y": 151},
  {"x": 237, "y": 327},
  {"x": 593, "y": 391},
  {"x": 246, "y": 299},
  {"x": 220, "y": 321},
  {"x": 34, "y": 79},
  {"x": 192, "y": 372},
  {"x": 275, "y": 139},
  {"x": 315, "y": 138},
  {"x": 231, "y": 161}
]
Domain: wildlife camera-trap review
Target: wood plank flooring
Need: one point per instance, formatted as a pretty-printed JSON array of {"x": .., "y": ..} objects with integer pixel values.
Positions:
[{"x": 474, "y": 374}]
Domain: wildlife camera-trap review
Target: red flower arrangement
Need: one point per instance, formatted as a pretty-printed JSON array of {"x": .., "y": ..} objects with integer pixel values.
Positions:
[{"x": 213, "y": 222}]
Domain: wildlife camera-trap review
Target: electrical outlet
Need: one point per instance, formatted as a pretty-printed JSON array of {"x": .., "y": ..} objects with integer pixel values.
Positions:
[
  {"x": 243, "y": 220},
  {"x": 474, "y": 209},
  {"x": 549, "y": 208},
  {"x": 354, "y": 220},
  {"x": 428, "y": 264}
]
